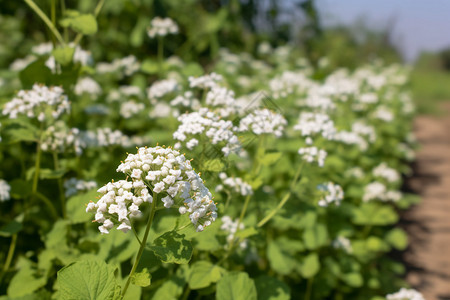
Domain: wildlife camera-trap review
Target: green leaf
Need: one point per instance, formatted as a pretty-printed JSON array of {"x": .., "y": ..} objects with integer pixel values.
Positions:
[
  {"x": 353, "y": 279},
  {"x": 247, "y": 232},
  {"x": 150, "y": 66},
  {"x": 87, "y": 279},
  {"x": 372, "y": 213},
  {"x": 213, "y": 165},
  {"x": 280, "y": 257},
  {"x": 192, "y": 69},
  {"x": 21, "y": 131},
  {"x": 270, "y": 158},
  {"x": 51, "y": 174},
  {"x": 310, "y": 266},
  {"x": 142, "y": 278},
  {"x": 203, "y": 273},
  {"x": 11, "y": 228},
  {"x": 20, "y": 188},
  {"x": 26, "y": 281},
  {"x": 236, "y": 286},
  {"x": 36, "y": 72},
  {"x": 172, "y": 247},
  {"x": 315, "y": 237},
  {"x": 84, "y": 24},
  {"x": 172, "y": 288},
  {"x": 76, "y": 207},
  {"x": 397, "y": 238},
  {"x": 63, "y": 55},
  {"x": 270, "y": 288}
]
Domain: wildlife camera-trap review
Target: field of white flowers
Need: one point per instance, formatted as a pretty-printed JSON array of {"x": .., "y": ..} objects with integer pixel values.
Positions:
[{"x": 151, "y": 177}]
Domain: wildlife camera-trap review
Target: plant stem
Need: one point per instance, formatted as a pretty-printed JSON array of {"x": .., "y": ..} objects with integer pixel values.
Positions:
[
  {"x": 49, "y": 204},
  {"x": 144, "y": 241},
  {"x": 46, "y": 20},
  {"x": 160, "y": 53},
  {"x": 63, "y": 13},
  {"x": 309, "y": 288},
  {"x": 284, "y": 200},
  {"x": 37, "y": 165},
  {"x": 62, "y": 197},
  {"x": 12, "y": 248}
]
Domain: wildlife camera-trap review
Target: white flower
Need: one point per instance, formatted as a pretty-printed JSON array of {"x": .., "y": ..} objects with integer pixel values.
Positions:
[
  {"x": 130, "y": 108},
  {"x": 74, "y": 185},
  {"x": 263, "y": 121},
  {"x": 119, "y": 198},
  {"x": 384, "y": 114},
  {"x": 311, "y": 124},
  {"x": 162, "y": 27},
  {"x": 4, "y": 190},
  {"x": 405, "y": 294},
  {"x": 333, "y": 194},
  {"x": 160, "y": 88},
  {"x": 235, "y": 184},
  {"x": 231, "y": 227},
  {"x": 378, "y": 191},
  {"x": 206, "y": 81},
  {"x": 171, "y": 175},
  {"x": 40, "y": 102},
  {"x": 351, "y": 138},
  {"x": 342, "y": 243},
  {"x": 89, "y": 86},
  {"x": 59, "y": 138},
  {"x": 383, "y": 171},
  {"x": 312, "y": 154}
]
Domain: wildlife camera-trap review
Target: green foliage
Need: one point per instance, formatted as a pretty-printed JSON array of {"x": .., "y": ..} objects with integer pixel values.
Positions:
[
  {"x": 171, "y": 247},
  {"x": 236, "y": 286}
]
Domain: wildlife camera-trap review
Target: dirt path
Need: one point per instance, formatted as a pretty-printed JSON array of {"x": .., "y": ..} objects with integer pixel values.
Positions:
[{"x": 428, "y": 224}]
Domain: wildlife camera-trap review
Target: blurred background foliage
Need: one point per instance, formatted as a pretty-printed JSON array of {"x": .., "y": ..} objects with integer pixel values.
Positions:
[{"x": 239, "y": 25}]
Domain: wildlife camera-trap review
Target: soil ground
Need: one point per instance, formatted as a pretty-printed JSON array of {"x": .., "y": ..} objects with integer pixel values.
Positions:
[{"x": 428, "y": 223}]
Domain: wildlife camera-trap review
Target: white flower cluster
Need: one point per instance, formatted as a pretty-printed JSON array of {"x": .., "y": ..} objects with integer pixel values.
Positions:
[
  {"x": 342, "y": 243},
  {"x": 160, "y": 88},
  {"x": 288, "y": 83},
  {"x": 206, "y": 81},
  {"x": 315, "y": 123},
  {"x": 333, "y": 194},
  {"x": 74, "y": 185},
  {"x": 311, "y": 154},
  {"x": 59, "y": 138},
  {"x": 234, "y": 184},
  {"x": 162, "y": 27},
  {"x": 223, "y": 98},
  {"x": 5, "y": 188},
  {"x": 187, "y": 100},
  {"x": 123, "y": 66},
  {"x": 351, "y": 138},
  {"x": 263, "y": 121},
  {"x": 362, "y": 129},
  {"x": 384, "y": 171},
  {"x": 384, "y": 114},
  {"x": 130, "y": 108},
  {"x": 120, "y": 202},
  {"x": 405, "y": 294},
  {"x": 378, "y": 191},
  {"x": 89, "y": 86},
  {"x": 104, "y": 137},
  {"x": 231, "y": 227},
  {"x": 40, "y": 101},
  {"x": 168, "y": 173},
  {"x": 209, "y": 123}
]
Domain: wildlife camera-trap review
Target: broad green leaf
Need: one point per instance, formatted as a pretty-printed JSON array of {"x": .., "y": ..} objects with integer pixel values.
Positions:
[
  {"x": 76, "y": 207},
  {"x": 26, "y": 281},
  {"x": 213, "y": 165},
  {"x": 280, "y": 259},
  {"x": 172, "y": 288},
  {"x": 172, "y": 247},
  {"x": 87, "y": 279},
  {"x": 63, "y": 55},
  {"x": 84, "y": 24},
  {"x": 397, "y": 238},
  {"x": 203, "y": 273},
  {"x": 270, "y": 288},
  {"x": 20, "y": 188},
  {"x": 247, "y": 232},
  {"x": 372, "y": 213},
  {"x": 353, "y": 279},
  {"x": 20, "y": 132},
  {"x": 315, "y": 237},
  {"x": 310, "y": 265},
  {"x": 36, "y": 72},
  {"x": 308, "y": 220},
  {"x": 374, "y": 243},
  {"x": 11, "y": 228},
  {"x": 270, "y": 158},
  {"x": 141, "y": 278},
  {"x": 150, "y": 66},
  {"x": 192, "y": 69},
  {"x": 236, "y": 286},
  {"x": 51, "y": 174}
]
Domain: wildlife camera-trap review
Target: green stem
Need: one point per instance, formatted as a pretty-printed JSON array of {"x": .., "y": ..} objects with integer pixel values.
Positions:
[
  {"x": 12, "y": 248},
  {"x": 144, "y": 241},
  {"x": 49, "y": 205},
  {"x": 309, "y": 288},
  {"x": 97, "y": 10},
  {"x": 62, "y": 197},
  {"x": 160, "y": 53},
  {"x": 63, "y": 13},
  {"x": 186, "y": 293},
  {"x": 136, "y": 235},
  {"x": 37, "y": 165},
  {"x": 46, "y": 20},
  {"x": 284, "y": 200}
]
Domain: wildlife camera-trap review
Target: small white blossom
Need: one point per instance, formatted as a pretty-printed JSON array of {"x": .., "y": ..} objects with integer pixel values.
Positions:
[
  {"x": 342, "y": 243},
  {"x": 263, "y": 121},
  {"x": 383, "y": 171},
  {"x": 405, "y": 294},
  {"x": 312, "y": 154},
  {"x": 234, "y": 184},
  {"x": 89, "y": 86},
  {"x": 333, "y": 194},
  {"x": 162, "y": 27},
  {"x": 311, "y": 124},
  {"x": 160, "y": 88},
  {"x": 206, "y": 81},
  {"x": 74, "y": 185},
  {"x": 231, "y": 227},
  {"x": 130, "y": 108},
  {"x": 4, "y": 190}
]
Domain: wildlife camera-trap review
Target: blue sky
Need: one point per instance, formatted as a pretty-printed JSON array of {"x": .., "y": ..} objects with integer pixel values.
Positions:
[{"x": 418, "y": 25}]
